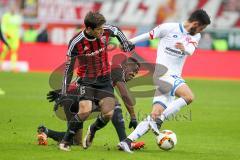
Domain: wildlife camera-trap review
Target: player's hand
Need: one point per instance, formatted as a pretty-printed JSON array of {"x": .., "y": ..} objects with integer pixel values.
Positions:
[
  {"x": 131, "y": 45},
  {"x": 133, "y": 123},
  {"x": 53, "y": 95},
  {"x": 180, "y": 46}
]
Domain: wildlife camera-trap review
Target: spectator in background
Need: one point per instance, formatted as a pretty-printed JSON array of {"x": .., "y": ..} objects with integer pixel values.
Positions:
[
  {"x": 30, "y": 34},
  {"x": 11, "y": 27},
  {"x": 206, "y": 42},
  {"x": 79, "y": 28},
  {"x": 42, "y": 33},
  {"x": 3, "y": 6},
  {"x": 230, "y": 5},
  {"x": 166, "y": 11},
  {"x": 29, "y": 7}
]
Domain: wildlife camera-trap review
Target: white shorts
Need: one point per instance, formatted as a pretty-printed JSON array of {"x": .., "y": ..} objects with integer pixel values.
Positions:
[{"x": 164, "y": 99}]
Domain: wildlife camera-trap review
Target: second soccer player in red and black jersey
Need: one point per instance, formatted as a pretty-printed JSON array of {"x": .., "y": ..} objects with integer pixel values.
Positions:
[{"x": 89, "y": 48}]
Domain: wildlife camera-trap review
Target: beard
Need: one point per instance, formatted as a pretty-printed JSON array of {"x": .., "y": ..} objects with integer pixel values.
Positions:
[{"x": 192, "y": 31}]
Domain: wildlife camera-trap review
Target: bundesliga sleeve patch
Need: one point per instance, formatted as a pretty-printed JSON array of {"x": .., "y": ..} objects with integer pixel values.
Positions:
[{"x": 151, "y": 33}]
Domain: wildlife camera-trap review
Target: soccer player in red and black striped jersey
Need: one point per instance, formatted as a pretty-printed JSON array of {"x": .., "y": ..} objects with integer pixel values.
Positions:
[
  {"x": 65, "y": 109},
  {"x": 89, "y": 47}
]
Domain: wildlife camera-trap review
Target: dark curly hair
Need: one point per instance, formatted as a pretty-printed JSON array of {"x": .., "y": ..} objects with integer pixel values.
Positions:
[{"x": 94, "y": 20}]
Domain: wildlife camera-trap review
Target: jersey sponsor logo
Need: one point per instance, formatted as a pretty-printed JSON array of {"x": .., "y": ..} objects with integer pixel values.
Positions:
[
  {"x": 103, "y": 39},
  {"x": 174, "y": 51},
  {"x": 175, "y": 36},
  {"x": 85, "y": 48},
  {"x": 95, "y": 52},
  {"x": 189, "y": 40}
]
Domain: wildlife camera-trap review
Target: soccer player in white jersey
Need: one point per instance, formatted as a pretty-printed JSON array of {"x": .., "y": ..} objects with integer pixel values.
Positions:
[{"x": 177, "y": 41}]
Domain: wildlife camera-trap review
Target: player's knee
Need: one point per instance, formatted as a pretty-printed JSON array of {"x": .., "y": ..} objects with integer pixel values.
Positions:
[
  {"x": 108, "y": 115},
  {"x": 189, "y": 98},
  {"x": 85, "y": 110},
  {"x": 157, "y": 111},
  {"x": 85, "y": 105},
  {"x": 154, "y": 115}
]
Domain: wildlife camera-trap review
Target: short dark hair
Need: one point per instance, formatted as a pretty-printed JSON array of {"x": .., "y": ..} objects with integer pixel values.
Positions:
[
  {"x": 131, "y": 60},
  {"x": 200, "y": 16},
  {"x": 94, "y": 19}
]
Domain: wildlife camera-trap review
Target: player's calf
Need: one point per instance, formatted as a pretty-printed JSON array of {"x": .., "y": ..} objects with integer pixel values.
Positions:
[
  {"x": 98, "y": 124},
  {"x": 188, "y": 98}
]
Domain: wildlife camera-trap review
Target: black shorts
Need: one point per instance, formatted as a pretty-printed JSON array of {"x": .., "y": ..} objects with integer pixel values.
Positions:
[
  {"x": 95, "y": 89},
  {"x": 68, "y": 108}
]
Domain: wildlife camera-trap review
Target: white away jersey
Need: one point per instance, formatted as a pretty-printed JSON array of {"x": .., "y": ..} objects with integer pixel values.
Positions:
[{"x": 167, "y": 54}]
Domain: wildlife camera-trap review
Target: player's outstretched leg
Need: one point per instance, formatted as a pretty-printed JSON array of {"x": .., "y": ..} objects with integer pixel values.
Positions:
[
  {"x": 119, "y": 125},
  {"x": 73, "y": 124},
  {"x": 43, "y": 133},
  {"x": 107, "y": 105},
  {"x": 142, "y": 128},
  {"x": 185, "y": 98},
  {"x": 73, "y": 127},
  {"x": 98, "y": 124}
]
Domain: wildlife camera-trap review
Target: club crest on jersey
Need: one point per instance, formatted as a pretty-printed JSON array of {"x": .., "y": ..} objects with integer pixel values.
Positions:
[
  {"x": 85, "y": 48},
  {"x": 188, "y": 39},
  {"x": 103, "y": 39},
  {"x": 151, "y": 33}
]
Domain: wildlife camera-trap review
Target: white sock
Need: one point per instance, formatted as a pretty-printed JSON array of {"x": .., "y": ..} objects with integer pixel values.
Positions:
[
  {"x": 141, "y": 129},
  {"x": 153, "y": 126},
  {"x": 173, "y": 108}
]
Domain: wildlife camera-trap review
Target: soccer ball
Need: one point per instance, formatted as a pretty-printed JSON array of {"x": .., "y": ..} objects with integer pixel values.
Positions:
[{"x": 166, "y": 140}]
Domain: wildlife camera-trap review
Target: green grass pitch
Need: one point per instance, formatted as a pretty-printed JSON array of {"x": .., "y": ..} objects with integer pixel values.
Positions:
[{"x": 208, "y": 129}]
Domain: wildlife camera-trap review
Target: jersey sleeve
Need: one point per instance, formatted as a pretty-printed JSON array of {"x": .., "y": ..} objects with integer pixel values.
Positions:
[
  {"x": 72, "y": 54},
  {"x": 116, "y": 32},
  {"x": 72, "y": 49},
  {"x": 69, "y": 67},
  {"x": 161, "y": 30}
]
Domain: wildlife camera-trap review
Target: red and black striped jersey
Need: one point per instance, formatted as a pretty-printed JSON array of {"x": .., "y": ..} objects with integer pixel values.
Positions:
[{"x": 92, "y": 54}]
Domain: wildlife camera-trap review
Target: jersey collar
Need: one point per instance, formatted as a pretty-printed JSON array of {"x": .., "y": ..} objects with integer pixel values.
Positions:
[
  {"x": 182, "y": 29},
  {"x": 89, "y": 38}
]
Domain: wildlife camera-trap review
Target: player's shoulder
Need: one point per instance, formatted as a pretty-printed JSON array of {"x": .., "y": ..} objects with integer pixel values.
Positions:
[
  {"x": 77, "y": 37},
  {"x": 117, "y": 74},
  {"x": 169, "y": 25},
  {"x": 111, "y": 28},
  {"x": 197, "y": 36}
]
